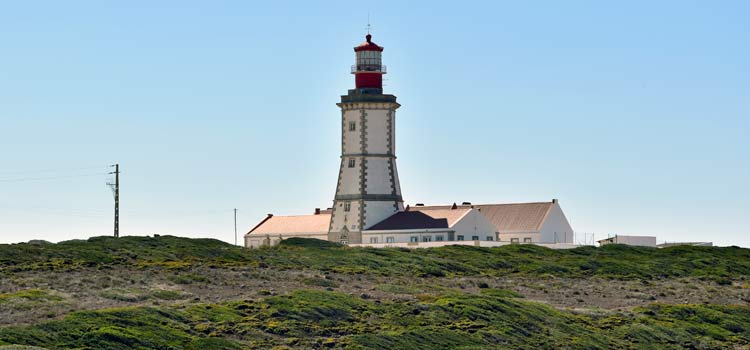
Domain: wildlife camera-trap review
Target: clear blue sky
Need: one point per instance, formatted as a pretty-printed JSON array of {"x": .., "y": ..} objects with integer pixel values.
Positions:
[{"x": 634, "y": 114}]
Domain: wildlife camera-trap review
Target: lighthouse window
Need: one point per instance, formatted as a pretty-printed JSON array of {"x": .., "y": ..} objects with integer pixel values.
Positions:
[
  {"x": 347, "y": 206},
  {"x": 352, "y": 126},
  {"x": 368, "y": 60},
  {"x": 352, "y": 162}
]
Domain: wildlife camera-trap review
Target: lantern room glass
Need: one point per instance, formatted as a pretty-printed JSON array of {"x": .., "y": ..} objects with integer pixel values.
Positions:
[{"x": 369, "y": 61}]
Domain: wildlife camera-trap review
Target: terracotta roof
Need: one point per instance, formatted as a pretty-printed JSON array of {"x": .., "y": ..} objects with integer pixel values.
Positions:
[
  {"x": 514, "y": 217},
  {"x": 422, "y": 218},
  {"x": 293, "y": 224}
]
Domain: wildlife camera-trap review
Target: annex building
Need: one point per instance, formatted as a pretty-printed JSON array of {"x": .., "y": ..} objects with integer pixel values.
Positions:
[{"x": 368, "y": 207}]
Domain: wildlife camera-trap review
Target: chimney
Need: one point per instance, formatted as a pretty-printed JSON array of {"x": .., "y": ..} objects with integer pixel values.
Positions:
[
  {"x": 466, "y": 203},
  {"x": 554, "y": 200},
  {"x": 317, "y": 211},
  {"x": 270, "y": 215},
  {"x": 407, "y": 208},
  {"x": 420, "y": 204},
  {"x": 454, "y": 206}
]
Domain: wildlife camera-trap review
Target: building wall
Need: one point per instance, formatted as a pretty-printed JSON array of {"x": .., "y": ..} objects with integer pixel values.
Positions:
[
  {"x": 351, "y": 139},
  {"x": 378, "y": 170},
  {"x": 475, "y": 224},
  {"x": 377, "y": 211},
  {"x": 486, "y": 244},
  {"x": 522, "y": 237},
  {"x": 643, "y": 241},
  {"x": 378, "y": 131},
  {"x": 257, "y": 241},
  {"x": 371, "y": 186},
  {"x": 346, "y": 225},
  {"x": 405, "y": 236},
  {"x": 556, "y": 228}
]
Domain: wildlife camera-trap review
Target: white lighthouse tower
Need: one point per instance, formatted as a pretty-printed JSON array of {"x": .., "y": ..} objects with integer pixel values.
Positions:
[{"x": 368, "y": 190}]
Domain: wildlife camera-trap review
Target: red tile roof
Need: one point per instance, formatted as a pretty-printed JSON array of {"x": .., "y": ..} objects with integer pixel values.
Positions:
[
  {"x": 293, "y": 224},
  {"x": 514, "y": 217}
]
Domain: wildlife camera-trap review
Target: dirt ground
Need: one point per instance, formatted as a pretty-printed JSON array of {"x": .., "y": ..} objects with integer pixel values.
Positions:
[{"x": 96, "y": 289}]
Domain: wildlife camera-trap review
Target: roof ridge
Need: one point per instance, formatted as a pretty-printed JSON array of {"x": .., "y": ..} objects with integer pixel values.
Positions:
[
  {"x": 544, "y": 219},
  {"x": 301, "y": 215},
  {"x": 476, "y": 205},
  {"x": 461, "y": 217}
]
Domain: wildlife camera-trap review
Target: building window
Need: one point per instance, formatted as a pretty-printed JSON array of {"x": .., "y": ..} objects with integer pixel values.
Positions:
[
  {"x": 527, "y": 240},
  {"x": 354, "y": 227},
  {"x": 347, "y": 206},
  {"x": 389, "y": 240},
  {"x": 352, "y": 162},
  {"x": 352, "y": 126},
  {"x": 344, "y": 241},
  {"x": 474, "y": 238},
  {"x": 373, "y": 239},
  {"x": 514, "y": 240},
  {"x": 438, "y": 238},
  {"x": 489, "y": 238},
  {"x": 460, "y": 238},
  {"x": 414, "y": 239},
  {"x": 426, "y": 238}
]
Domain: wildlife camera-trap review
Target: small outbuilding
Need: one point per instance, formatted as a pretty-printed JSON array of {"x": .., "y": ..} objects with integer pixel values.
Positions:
[{"x": 641, "y": 241}]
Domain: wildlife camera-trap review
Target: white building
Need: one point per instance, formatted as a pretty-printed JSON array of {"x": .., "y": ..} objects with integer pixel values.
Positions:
[
  {"x": 641, "y": 241},
  {"x": 271, "y": 230},
  {"x": 432, "y": 225},
  {"x": 368, "y": 206},
  {"x": 540, "y": 222}
]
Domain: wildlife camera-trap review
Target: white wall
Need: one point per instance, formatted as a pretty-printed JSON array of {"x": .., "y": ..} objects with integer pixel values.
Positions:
[
  {"x": 376, "y": 212},
  {"x": 556, "y": 228},
  {"x": 352, "y": 138},
  {"x": 350, "y": 176},
  {"x": 521, "y": 236},
  {"x": 341, "y": 217},
  {"x": 404, "y": 236},
  {"x": 378, "y": 177},
  {"x": 485, "y": 244},
  {"x": 377, "y": 131},
  {"x": 475, "y": 224},
  {"x": 257, "y": 241},
  {"x": 643, "y": 241}
]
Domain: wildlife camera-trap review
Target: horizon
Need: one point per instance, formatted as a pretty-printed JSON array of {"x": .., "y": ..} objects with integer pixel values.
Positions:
[{"x": 638, "y": 126}]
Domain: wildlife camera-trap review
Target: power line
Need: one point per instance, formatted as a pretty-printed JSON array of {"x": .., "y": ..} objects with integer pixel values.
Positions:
[
  {"x": 37, "y": 171},
  {"x": 46, "y": 178}
]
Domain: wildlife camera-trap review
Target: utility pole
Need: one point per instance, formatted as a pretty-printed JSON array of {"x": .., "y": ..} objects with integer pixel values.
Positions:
[
  {"x": 235, "y": 226},
  {"x": 116, "y": 190}
]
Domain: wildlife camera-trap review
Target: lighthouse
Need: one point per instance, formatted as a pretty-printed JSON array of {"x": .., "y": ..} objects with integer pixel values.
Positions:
[
  {"x": 368, "y": 189},
  {"x": 368, "y": 209}
]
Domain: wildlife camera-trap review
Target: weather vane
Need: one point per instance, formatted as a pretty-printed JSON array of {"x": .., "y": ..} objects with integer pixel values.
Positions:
[{"x": 369, "y": 27}]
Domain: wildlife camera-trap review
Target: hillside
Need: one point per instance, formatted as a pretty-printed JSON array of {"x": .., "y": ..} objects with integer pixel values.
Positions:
[{"x": 177, "y": 293}]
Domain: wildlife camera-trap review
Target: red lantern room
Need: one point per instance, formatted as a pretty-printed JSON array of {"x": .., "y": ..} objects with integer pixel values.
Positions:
[{"x": 369, "y": 70}]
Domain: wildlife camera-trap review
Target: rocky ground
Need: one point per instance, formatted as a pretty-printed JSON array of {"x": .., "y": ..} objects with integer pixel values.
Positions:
[{"x": 59, "y": 293}]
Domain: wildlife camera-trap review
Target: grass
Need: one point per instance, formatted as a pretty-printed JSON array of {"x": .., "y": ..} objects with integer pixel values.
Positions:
[
  {"x": 429, "y": 317},
  {"x": 722, "y": 265},
  {"x": 303, "y": 319},
  {"x": 29, "y": 296}
]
